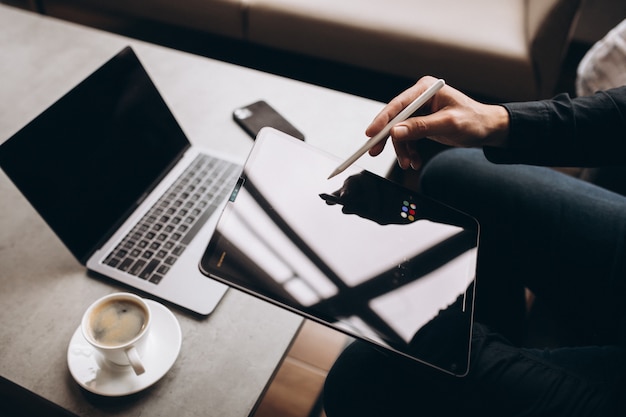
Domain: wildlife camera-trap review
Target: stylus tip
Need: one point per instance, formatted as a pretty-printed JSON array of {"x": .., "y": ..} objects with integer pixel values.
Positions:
[{"x": 334, "y": 173}]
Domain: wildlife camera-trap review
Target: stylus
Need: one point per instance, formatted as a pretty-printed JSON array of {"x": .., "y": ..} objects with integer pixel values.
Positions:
[{"x": 384, "y": 134}]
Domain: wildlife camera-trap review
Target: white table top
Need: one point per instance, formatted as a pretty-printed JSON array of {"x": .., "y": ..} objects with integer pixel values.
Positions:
[{"x": 226, "y": 359}]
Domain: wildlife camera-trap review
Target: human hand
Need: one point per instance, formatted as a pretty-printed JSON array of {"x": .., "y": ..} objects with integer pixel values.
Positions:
[{"x": 450, "y": 118}]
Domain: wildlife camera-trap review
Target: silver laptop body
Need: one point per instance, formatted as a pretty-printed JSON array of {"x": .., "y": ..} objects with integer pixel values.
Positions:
[{"x": 107, "y": 155}]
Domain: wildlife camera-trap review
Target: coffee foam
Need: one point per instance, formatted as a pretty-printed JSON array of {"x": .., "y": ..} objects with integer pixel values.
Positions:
[{"x": 117, "y": 322}]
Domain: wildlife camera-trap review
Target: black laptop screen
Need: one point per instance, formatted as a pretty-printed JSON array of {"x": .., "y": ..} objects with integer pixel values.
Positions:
[
  {"x": 86, "y": 160},
  {"x": 357, "y": 252}
]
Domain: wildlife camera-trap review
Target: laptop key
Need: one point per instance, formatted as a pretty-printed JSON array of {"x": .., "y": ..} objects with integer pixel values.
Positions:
[
  {"x": 156, "y": 243},
  {"x": 156, "y": 278},
  {"x": 113, "y": 262},
  {"x": 137, "y": 267},
  {"x": 125, "y": 265},
  {"x": 147, "y": 271}
]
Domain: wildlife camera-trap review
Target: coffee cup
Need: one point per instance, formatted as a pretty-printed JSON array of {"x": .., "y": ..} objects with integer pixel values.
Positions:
[{"x": 117, "y": 326}]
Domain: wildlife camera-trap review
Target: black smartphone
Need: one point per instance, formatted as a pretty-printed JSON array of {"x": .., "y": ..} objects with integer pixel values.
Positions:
[{"x": 253, "y": 117}]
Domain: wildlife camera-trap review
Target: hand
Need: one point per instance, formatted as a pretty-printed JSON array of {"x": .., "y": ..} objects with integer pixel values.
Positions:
[{"x": 450, "y": 118}]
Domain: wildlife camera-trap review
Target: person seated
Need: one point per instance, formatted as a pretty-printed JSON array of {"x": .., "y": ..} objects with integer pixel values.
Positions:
[{"x": 559, "y": 236}]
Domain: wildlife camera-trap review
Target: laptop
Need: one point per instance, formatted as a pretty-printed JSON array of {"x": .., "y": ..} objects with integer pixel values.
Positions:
[
  {"x": 110, "y": 170},
  {"x": 358, "y": 253}
]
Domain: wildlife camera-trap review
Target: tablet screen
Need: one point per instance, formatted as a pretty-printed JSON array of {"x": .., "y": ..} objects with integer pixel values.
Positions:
[{"x": 358, "y": 253}]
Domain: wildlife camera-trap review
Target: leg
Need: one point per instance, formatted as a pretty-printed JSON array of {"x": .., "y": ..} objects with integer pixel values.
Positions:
[
  {"x": 512, "y": 381},
  {"x": 503, "y": 381},
  {"x": 559, "y": 236},
  {"x": 367, "y": 381}
]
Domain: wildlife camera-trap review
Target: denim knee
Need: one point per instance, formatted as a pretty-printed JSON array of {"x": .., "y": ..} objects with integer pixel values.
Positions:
[{"x": 455, "y": 177}]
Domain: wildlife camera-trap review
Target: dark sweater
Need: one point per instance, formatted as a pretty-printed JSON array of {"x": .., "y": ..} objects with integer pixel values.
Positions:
[{"x": 565, "y": 131}]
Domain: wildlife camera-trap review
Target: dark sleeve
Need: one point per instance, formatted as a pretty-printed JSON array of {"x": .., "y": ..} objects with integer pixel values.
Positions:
[{"x": 584, "y": 131}]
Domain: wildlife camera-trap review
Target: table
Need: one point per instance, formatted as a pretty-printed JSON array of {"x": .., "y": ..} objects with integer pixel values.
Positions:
[{"x": 227, "y": 359}]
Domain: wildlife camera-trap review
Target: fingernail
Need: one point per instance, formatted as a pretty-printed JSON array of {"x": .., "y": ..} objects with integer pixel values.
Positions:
[
  {"x": 415, "y": 166},
  {"x": 400, "y": 131}
]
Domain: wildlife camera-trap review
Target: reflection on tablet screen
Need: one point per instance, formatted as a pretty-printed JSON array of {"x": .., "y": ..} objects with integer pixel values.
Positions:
[{"x": 358, "y": 253}]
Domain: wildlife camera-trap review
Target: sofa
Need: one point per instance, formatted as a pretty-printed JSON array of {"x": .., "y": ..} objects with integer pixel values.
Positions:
[{"x": 503, "y": 50}]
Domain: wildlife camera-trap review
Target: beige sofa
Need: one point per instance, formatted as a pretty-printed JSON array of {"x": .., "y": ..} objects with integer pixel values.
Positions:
[{"x": 505, "y": 50}]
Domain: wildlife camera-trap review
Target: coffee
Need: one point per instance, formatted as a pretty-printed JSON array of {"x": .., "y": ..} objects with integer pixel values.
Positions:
[{"x": 116, "y": 322}]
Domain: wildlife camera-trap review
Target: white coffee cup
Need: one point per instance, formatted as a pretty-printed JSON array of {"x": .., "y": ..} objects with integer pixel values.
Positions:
[{"x": 117, "y": 325}]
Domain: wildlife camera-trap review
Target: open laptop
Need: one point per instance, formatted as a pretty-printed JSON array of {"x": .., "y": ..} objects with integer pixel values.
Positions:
[
  {"x": 110, "y": 170},
  {"x": 358, "y": 253}
]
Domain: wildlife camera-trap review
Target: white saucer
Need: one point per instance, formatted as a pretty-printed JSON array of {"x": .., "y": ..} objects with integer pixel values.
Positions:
[{"x": 98, "y": 376}]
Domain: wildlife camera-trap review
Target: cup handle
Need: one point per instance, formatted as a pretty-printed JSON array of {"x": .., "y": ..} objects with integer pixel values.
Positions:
[{"x": 135, "y": 360}]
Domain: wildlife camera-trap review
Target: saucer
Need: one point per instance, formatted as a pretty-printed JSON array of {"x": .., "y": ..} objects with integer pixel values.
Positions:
[{"x": 92, "y": 372}]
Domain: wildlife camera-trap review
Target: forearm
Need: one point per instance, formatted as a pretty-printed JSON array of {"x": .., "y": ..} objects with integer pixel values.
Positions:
[{"x": 585, "y": 131}]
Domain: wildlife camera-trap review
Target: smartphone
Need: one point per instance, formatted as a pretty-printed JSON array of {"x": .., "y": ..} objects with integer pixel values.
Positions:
[{"x": 253, "y": 117}]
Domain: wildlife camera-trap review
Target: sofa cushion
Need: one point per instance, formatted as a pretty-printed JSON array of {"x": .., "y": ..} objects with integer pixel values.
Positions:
[{"x": 478, "y": 45}]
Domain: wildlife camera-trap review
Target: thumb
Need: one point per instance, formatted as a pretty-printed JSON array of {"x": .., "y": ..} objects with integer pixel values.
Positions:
[
  {"x": 411, "y": 129},
  {"x": 438, "y": 126},
  {"x": 400, "y": 132}
]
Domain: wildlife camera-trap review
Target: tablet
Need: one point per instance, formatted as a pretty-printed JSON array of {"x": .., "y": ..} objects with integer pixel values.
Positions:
[{"x": 358, "y": 253}]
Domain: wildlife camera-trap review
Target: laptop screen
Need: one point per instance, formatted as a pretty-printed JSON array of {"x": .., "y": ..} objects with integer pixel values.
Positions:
[
  {"x": 85, "y": 162},
  {"x": 358, "y": 253}
]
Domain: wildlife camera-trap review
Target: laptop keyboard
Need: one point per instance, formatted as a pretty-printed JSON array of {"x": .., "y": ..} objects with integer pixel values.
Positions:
[{"x": 161, "y": 236}]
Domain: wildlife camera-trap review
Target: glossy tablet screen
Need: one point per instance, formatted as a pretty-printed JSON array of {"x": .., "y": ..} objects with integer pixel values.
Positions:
[{"x": 358, "y": 252}]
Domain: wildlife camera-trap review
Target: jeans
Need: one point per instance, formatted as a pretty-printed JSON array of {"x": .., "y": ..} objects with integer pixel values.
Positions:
[{"x": 558, "y": 236}]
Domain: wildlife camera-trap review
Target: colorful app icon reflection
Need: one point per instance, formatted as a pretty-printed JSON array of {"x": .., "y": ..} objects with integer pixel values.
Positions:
[{"x": 408, "y": 210}]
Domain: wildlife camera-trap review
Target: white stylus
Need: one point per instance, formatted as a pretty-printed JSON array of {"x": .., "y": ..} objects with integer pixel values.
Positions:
[{"x": 384, "y": 134}]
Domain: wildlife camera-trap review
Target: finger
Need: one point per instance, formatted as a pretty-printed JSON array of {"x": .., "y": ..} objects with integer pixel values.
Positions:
[
  {"x": 434, "y": 125},
  {"x": 416, "y": 160},
  {"x": 402, "y": 154},
  {"x": 386, "y": 114},
  {"x": 397, "y": 104},
  {"x": 378, "y": 148},
  {"x": 409, "y": 154}
]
